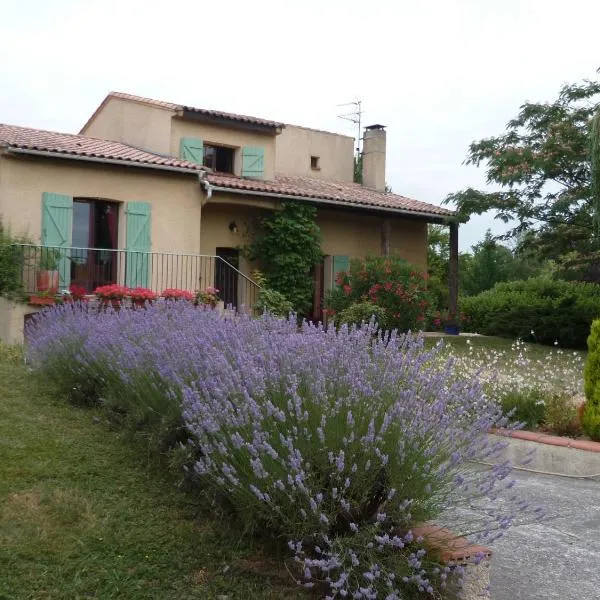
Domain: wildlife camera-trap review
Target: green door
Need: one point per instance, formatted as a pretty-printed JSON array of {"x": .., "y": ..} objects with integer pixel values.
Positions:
[
  {"x": 137, "y": 268},
  {"x": 57, "y": 231}
]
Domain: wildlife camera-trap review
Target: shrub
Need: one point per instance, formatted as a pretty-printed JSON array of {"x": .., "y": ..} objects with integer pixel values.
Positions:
[
  {"x": 527, "y": 407},
  {"x": 590, "y": 420},
  {"x": 555, "y": 311},
  {"x": 12, "y": 259},
  {"x": 361, "y": 313},
  {"x": 389, "y": 282},
  {"x": 560, "y": 415},
  {"x": 270, "y": 301},
  {"x": 337, "y": 442}
]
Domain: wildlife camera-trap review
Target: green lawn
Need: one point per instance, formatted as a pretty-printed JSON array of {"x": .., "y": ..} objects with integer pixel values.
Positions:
[{"x": 86, "y": 513}]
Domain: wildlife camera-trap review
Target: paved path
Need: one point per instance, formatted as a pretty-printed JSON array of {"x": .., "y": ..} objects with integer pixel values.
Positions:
[{"x": 558, "y": 558}]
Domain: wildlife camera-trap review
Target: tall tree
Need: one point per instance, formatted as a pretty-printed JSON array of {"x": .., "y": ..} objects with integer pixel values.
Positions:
[
  {"x": 542, "y": 167},
  {"x": 489, "y": 264}
]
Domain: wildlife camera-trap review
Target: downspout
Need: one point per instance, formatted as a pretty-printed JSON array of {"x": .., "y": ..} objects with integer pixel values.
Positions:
[{"x": 205, "y": 184}]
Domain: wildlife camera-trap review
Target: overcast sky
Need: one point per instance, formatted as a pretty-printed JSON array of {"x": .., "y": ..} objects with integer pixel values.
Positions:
[{"x": 437, "y": 73}]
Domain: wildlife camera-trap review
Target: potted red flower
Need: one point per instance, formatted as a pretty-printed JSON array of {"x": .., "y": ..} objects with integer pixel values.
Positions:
[
  {"x": 140, "y": 296},
  {"x": 176, "y": 294},
  {"x": 207, "y": 297},
  {"x": 75, "y": 294},
  {"x": 111, "y": 295}
]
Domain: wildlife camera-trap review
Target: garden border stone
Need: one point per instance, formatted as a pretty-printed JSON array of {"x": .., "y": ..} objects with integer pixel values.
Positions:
[
  {"x": 550, "y": 454},
  {"x": 456, "y": 550}
]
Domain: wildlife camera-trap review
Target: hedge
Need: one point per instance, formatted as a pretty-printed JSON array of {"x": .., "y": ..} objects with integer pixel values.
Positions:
[{"x": 555, "y": 311}]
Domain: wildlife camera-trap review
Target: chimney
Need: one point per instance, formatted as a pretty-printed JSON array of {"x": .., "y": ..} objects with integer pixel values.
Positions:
[{"x": 373, "y": 158}]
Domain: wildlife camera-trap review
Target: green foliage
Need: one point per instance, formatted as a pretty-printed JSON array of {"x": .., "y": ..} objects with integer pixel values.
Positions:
[
  {"x": 595, "y": 166},
  {"x": 556, "y": 311},
  {"x": 48, "y": 259},
  {"x": 541, "y": 166},
  {"x": 438, "y": 261},
  {"x": 591, "y": 415},
  {"x": 12, "y": 259},
  {"x": 271, "y": 301},
  {"x": 389, "y": 282},
  {"x": 560, "y": 415},
  {"x": 489, "y": 264},
  {"x": 526, "y": 407},
  {"x": 363, "y": 312},
  {"x": 287, "y": 244}
]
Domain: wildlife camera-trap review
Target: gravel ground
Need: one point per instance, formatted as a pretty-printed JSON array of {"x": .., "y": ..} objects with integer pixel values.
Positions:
[{"x": 558, "y": 558}]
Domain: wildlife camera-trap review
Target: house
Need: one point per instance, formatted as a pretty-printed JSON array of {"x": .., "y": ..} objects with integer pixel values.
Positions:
[{"x": 156, "y": 194}]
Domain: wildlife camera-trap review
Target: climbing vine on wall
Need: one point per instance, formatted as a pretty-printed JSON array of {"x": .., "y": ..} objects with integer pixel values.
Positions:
[{"x": 287, "y": 244}]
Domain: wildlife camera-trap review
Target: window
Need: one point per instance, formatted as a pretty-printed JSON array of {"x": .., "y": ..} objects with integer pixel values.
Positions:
[
  {"x": 218, "y": 158},
  {"x": 314, "y": 163}
]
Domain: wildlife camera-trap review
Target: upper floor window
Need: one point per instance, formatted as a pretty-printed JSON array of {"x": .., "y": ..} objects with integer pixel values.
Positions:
[
  {"x": 314, "y": 163},
  {"x": 218, "y": 158}
]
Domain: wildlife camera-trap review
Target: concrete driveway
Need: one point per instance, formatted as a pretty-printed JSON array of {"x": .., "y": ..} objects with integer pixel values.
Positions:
[{"x": 558, "y": 558}]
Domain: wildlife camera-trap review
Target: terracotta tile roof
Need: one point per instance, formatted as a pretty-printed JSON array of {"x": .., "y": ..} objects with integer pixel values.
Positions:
[
  {"x": 349, "y": 193},
  {"x": 182, "y": 107},
  {"x": 79, "y": 145}
]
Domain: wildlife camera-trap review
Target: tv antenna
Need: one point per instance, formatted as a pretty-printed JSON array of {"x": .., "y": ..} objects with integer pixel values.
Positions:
[{"x": 354, "y": 117}]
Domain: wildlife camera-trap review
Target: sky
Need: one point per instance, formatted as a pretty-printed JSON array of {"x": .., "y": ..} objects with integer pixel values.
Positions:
[{"x": 438, "y": 73}]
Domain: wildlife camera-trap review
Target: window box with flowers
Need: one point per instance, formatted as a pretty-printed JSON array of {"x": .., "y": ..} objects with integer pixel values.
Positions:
[
  {"x": 75, "y": 293},
  {"x": 208, "y": 297},
  {"x": 111, "y": 295},
  {"x": 140, "y": 297},
  {"x": 177, "y": 294}
]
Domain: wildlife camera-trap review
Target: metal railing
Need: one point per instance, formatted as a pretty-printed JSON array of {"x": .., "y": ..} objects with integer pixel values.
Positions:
[{"x": 46, "y": 268}]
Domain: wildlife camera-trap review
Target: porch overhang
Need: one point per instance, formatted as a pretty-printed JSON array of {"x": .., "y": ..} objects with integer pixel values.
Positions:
[{"x": 211, "y": 189}]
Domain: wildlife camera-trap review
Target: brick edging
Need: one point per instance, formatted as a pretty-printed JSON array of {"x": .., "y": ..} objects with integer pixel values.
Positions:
[
  {"x": 450, "y": 547},
  {"x": 551, "y": 440}
]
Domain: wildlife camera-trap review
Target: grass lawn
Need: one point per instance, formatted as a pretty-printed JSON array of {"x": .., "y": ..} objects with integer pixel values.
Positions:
[
  {"x": 461, "y": 343},
  {"x": 82, "y": 517}
]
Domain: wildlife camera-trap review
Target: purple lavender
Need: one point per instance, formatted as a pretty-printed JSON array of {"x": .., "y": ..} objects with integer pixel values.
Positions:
[{"x": 340, "y": 441}]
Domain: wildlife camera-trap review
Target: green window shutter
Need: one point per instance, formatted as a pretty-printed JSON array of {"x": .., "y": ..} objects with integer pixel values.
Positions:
[
  {"x": 137, "y": 269},
  {"x": 340, "y": 263},
  {"x": 191, "y": 149},
  {"x": 57, "y": 230},
  {"x": 253, "y": 161}
]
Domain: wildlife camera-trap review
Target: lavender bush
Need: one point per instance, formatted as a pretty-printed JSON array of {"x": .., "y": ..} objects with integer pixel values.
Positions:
[{"x": 336, "y": 442}]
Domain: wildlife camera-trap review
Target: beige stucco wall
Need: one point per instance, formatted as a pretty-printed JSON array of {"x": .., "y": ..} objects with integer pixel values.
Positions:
[
  {"x": 175, "y": 198},
  {"x": 223, "y": 136},
  {"x": 295, "y": 146},
  {"x": 358, "y": 234},
  {"x": 134, "y": 123}
]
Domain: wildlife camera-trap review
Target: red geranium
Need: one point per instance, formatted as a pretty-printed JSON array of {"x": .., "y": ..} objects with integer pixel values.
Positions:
[{"x": 176, "y": 294}]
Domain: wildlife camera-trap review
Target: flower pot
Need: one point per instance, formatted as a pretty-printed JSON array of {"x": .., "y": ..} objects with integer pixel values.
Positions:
[
  {"x": 42, "y": 300},
  {"x": 451, "y": 329},
  {"x": 47, "y": 281}
]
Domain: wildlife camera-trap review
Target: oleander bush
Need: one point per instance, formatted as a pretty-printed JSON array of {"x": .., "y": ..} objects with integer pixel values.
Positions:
[
  {"x": 555, "y": 311},
  {"x": 336, "y": 442},
  {"x": 362, "y": 312},
  {"x": 398, "y": 288}
]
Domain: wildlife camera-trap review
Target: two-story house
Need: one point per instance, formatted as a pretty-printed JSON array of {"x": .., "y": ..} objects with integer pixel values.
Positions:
[{"x": 150, "y": 192}]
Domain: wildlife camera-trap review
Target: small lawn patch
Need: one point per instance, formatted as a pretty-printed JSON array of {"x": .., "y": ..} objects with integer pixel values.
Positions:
[{"x": 82, "y": 517}]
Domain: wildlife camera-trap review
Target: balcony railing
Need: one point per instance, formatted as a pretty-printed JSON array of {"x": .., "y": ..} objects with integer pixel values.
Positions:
[{"x": 89, "y": 268}]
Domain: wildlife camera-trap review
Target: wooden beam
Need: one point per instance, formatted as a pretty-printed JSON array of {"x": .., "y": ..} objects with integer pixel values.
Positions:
[
  {"x": 386, "y": 232},
  {"x": 453, "y": 270}
]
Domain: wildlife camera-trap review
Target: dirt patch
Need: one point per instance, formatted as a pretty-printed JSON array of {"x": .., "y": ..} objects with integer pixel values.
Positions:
[{"x": 42, "y": 513}]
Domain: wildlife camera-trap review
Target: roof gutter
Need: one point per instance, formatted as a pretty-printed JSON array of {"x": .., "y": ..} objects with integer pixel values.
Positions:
[
  {"x": 97, "y": 159},
  {"x": 216, "y": 188}
]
